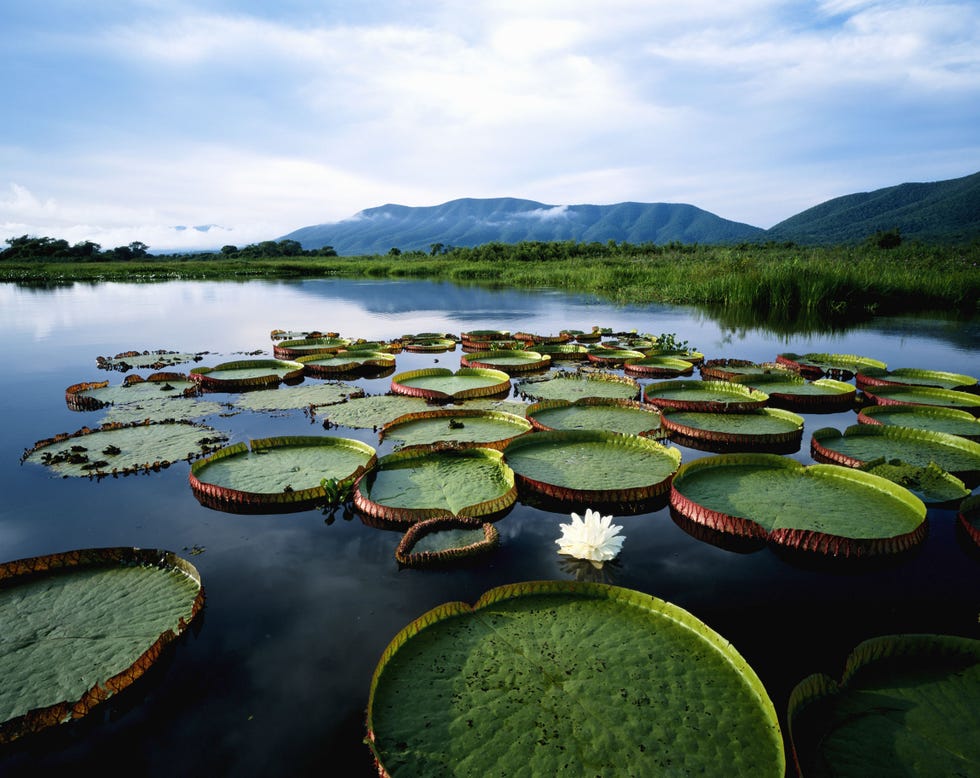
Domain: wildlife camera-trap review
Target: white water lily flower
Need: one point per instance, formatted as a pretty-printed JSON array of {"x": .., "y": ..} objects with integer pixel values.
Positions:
[{"x": 593, "y": 538}]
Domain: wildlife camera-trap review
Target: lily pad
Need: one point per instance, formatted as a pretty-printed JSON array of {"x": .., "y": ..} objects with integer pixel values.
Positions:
[
  {"x": 658, "y": 367},
  {"x": 818, "y": 508},
  {"x": 297, "y": 397},
  {"x": 840, "y": 366},
  {"x": 291, "y": 349},
  {"x": 122, "y": 449},
  {"x": 443, "y": 541},
  {"x": 612, "y": 357},
  {"x": 589, "y": 467},
  {"x": 793, "y": 393},
  {"x": 753, "y": 430},
  {"x": 949, "y": 420},
  {"x": 731, "y": 369},
  {"x": 507, "y": 360},
  {"x": 162, "y": 409},
  {"x": 373, "y": 411},
  {"x": 330, "y": 365},
  {"x": 469, "y": 426},
  {"x": 480, "y": 337},
  {"x": 246, "y": 374},
  {"x": 424, "y": 482},
  {"x": 559, "y": 678},
  {"x": 429, "y": 345},
  {"x": 596, "y": 413},
  {"x": 153, "y": 360},
  {"x": 906, "y": 705},
  {"x": 705, "y": 396},
  {"x": 688, "y": 355},
  {"x": 969, "y": 518},
  {"x": 81, "y": 626},
  {"x": 573, "y": 386},
  {"x": 908, "y": 376},
  {"x": 861, "y": 443},
  {"x": 922, "y": 395},
  {"x": 572, "y": 352},
  {"x": 930, "y": 483},
  {"x": 275, "y": 475},
  {"x": 98, "y": 394},
  {"x": 442, "y": 384}
]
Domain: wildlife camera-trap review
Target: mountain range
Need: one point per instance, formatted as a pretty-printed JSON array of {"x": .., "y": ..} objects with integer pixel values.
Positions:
[{"x": 936, "y": 212}]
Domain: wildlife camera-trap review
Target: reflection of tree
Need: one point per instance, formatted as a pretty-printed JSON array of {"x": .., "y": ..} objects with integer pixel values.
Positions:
[{"x": 584, "y": 570}]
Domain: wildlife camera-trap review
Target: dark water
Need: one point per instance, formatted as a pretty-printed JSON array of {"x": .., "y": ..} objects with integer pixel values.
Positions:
[{"x": 274, "y": 678}]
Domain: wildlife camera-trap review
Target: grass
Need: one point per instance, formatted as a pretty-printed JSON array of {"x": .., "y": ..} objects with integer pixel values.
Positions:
[{"x": 768, "y": 283}]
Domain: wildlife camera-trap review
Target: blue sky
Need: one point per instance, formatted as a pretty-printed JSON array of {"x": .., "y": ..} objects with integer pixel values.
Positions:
[{"x": 123, "y": 121}]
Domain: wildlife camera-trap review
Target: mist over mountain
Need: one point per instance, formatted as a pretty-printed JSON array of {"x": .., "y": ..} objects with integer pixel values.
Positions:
[{"x": 937, "y": 212}]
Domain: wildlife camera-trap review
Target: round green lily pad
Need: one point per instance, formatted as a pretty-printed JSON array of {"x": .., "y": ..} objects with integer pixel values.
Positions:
[
  {"x": 906, "y": 705},
  {"x": 591, "y": 467},
  {"x": 297, "y": 397},
  {"x": 612, "y": 357},
  {"x": 98, "y": 394},
  {"x": 596, "y": 413},
  {"x": 568, "y": 678},
  {"x": 508, "y": 360},
  {"x": 841, "y": 366},
  {"x": 930, "y": 483},
  {"x": 730, "y": 369},
  {"x": 820, "y": 508},
  {"x": 162, "y": 409},
  {"x": 480, "y": 337},
  {"x": 658, "y": 367},
  {"x": 706, "y": 396},
  {"x": 562, "y": 351},
  {"x": 81, "y": 626},
  {"x": 330, "y": 365},
  {"x": 433, "y": 345},
  {"x": 373, "y": 411},
  {"x": 573, "y": 386},
  {"x": 909, "y": 376},
  {"x": 490, "y": 429},
  {"x": 246, "y": 374},
  {"x": 949, "y": 420},
  {"x": 758, "y": 429},
  {"x": 923, "y": 395},
  {"x": 424, "y": 482},
  {"x": 861, "y": 443},
  {"x": 445, "y": 540},
  {"x": 291, "y": 349},
  {"x": 793, "y": 393},
  {"x": 442, "y": 384},
  {"x": 122, "y": 449},
  {"x": 688, "y": 355},
  {"x": 275, "y": 475}
]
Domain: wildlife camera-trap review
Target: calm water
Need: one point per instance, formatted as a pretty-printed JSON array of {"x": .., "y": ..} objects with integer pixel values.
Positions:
[{"x": 274, "y": 679}]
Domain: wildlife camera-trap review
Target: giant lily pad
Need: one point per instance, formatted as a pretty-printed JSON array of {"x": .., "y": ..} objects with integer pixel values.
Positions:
[
  {"x": 922, "y": 417},
  {"x": 571, "y": 352},
  {"x": 821, "y": 508},
  {"x": 445, "y": 540},
  {"x": 840, "y": 366},
  {"x": 373, "y": 411},
  {"x": 330, "y": 365},
  {"x": 969, "y": 518},
  {"x": 732, "y": 369},
  {"x": 763, "y": 429},
  {"x": 613, "y": 357},
  {"x": 705, "y": 396},
  {"x": 491, "y": 429},
  {"x": 907, "y": 705},
  {"x": 432, "y": 345},
  {"x": 154, "y": 360},
  {"x": 276, "y": 475},
  {"x": 861, "y": 443},
  {"x": 93, "y": 395},
  {"x": 121, "y": 449},
  {"x": 246, "y": 374},
  {"x": 658, "y": 367},
  {"x": 589, "y": 467},
  {"x": 909, "y": 376},
  {"x": 480, "y": 338},
  {"x": 291, "y": 349},
  {"x": 296, "y": 397},
  {"x": 560, "y": 678},
  {"x": 162, "y": 409},
  {"x": 424, "y": 482},
  {"x": 509, "y": 361},
  {"x": 793, "y": 393},
  {"x": 443, "y": 385},
  {"x": 573, "y": 386},
  {"x": 930, "y": 483},
  {"x": 596, "y": 413},
  {"x": 923, "y": 395},
  {"x": 82, "y": 625}
]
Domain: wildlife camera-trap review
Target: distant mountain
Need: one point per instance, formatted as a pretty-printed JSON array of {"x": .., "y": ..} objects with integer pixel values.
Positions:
[
  {"x": 938, "y": 212},
  {"x": 472, "y": 222}
]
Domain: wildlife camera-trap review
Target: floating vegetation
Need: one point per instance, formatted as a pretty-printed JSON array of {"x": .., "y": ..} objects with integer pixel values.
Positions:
[
  {"x": 291, "y": 349},
  {"x": 922, "y": 395},
  {"x": 597, "y": 413},
  {"x": 765, "y": 429},
  {"x": 276, "y": 475},
  {"x": 465, "y": 426},
  {"x": 937, "y": 419},
  {"x": 930, "y": 483},
  {"x": 612, "y": 357},
  {"x": 134, "y": 389},
  {"x": 572, "y": 352},
  {"x": 80, "y": 626},
  {"x": 907, "y": 376},
  {"x": 162, "y": 409},
  {"x": 969, "y": 518},
  {"x": 509, "y": 361},
  {"x": 373, "y": 411},
  {"x": 825, "y": 509},
  {"x": 296, "y": 397},
  {"x": 430, "y": 345},
  {"x": 794, "y": 393},
  {"x": 544, "y": 677},
  {"x": 444, "y": 541},
  {"x": 440, "y": 384},
  {"x": 331, "y": 365},
  {"x": 152, "y": 360},
  {"x": 564, "y": 385},
  {"x": 124, "y": 449},
  {"x": 905, "y": 705},
  {"x": 840, "y": 366},
  {"x": 705, "y": 396},
  {"x": 659, "y": 367},
  {"x": 247, "y": 374}
]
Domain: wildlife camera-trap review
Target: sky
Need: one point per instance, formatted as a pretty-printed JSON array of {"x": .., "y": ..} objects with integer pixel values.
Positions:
[{"x": 148, "y": 120}]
